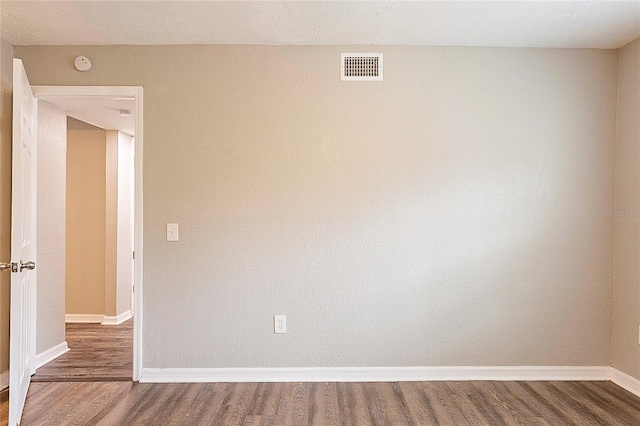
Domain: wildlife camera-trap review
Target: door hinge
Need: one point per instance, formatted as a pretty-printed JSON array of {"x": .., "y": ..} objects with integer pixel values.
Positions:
[{"x": 134, "y": 255}]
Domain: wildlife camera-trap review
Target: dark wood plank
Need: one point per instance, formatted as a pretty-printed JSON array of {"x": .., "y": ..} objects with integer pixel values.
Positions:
[
  {"x": 418, "y": 405},
  {"x": 272, "y": 400},
  {"x": 238, "y": 405},
  {"x": 469, "y": 403},
  {"x": 561, "y": 406},
  {"x": 392, "y": 404},
  {"x": 343, "y": 408},
  {"x": 328, "y": 412},
  {"x": 300, "y": 413},
  {"x": 509, "y": 395},
  {"x": 358, "y": 411},
  {"x": 447, "y": 407}
]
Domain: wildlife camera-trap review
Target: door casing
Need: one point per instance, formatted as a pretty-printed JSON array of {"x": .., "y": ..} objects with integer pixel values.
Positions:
[{"x": 136, "y": 93}]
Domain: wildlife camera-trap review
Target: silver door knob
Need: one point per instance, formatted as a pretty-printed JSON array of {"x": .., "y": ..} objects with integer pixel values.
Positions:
[
  {"x": 11, "y": 267},
  {"x": 28, "y": 265}
]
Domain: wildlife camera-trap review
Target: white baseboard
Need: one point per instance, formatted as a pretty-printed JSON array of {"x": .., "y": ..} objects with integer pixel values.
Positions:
[
  {"x": 370, "y": 374},
  {"x": 625, "y": 381},
  {"x": 117, "y": 320},
  {"x": 51, "y": 354},
  {"x": 84, "y": 318},
  {"x": 4, "y": 380}
]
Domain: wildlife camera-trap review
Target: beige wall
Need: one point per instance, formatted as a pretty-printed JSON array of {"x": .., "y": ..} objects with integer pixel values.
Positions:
[
  {"x": 85, "y": 263},
  {"x": 450, "y": 215},
  {"x": 626, "y": 302},
  {"x": 6, "y": 99},
  {"x": 52, "y": 158}
]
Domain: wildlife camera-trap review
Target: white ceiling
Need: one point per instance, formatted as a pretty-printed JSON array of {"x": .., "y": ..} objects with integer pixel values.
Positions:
[
  {"x": 100, "y": 112},
  {"x": 597, "y": 24}
]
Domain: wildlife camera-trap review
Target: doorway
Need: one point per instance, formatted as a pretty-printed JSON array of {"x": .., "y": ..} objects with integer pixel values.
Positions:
[
  {"x": 108, "y": 343},
  {"x": 85, "y": 239}
]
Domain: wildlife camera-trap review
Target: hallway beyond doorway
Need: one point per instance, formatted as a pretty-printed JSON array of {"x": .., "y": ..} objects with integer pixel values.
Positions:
[{"x": 96, "y": 353}]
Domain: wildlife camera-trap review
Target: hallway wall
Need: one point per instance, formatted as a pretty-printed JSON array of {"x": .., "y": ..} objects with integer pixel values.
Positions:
[
  {"x": 625, "y": 351},
  {"x": 86, "y": 151},
  {"x": 119, "y": 229},
  {"x": 125, "y": 222},
  {"x": 51, "y": 226}
]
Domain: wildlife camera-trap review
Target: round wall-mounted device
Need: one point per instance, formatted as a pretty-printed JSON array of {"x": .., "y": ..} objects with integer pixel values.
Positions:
[{"x": 82, "y": 63}]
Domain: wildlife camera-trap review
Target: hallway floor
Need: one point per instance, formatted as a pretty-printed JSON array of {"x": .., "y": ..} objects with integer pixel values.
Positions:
[{"x": 97, "y": 353}]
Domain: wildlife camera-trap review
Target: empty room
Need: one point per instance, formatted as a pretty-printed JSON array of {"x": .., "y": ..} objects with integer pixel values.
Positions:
[{"x": 339, "y": 213}]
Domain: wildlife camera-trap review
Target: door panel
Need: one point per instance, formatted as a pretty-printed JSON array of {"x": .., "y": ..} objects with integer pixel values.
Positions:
[{"x": 23, "y": 243}]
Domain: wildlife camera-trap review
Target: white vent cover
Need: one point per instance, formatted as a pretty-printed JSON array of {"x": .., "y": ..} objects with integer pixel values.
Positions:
[{"x": 361, "y": 67}]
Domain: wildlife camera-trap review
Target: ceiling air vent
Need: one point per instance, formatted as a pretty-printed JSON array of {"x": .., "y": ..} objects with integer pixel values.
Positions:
[{"x": 361, "y": 67}]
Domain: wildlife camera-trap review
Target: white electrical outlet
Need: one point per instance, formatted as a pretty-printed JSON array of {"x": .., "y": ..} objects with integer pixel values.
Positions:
[{"x": 280, "y": 324}]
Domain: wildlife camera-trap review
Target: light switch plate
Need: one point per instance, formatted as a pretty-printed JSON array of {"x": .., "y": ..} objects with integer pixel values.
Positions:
[{"x": 172, "y": 232}]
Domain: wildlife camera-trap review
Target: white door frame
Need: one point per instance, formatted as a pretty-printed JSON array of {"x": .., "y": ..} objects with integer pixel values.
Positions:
[{"x": 133, "y": 92}]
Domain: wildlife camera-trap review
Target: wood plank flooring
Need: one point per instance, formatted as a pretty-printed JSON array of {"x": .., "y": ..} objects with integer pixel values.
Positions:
[
  {"x": 97, "y": 353},
  {"x": 82, "y": 387},
  {"x": 403, "y": 403}
]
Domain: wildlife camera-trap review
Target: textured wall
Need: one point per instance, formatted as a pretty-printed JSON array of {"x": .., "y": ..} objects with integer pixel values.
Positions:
[
  {"x": 125, "y": 223},
  {"x": 52, "y": 177},
  {"x": 450, "y": 215},
  {"x": 626, "y": 307},
  {"x": 85, "y": 263},
  {"x": 6, "y": 101}
]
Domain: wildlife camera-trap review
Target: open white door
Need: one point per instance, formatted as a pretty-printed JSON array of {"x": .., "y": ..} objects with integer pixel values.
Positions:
[{"x": 23, "y": 243}]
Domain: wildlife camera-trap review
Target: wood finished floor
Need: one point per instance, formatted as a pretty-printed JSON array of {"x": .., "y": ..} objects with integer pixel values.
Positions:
[
  {"x": 97, "y": 353},
  {"x": 75, "y": 390},
  {"x": 405, "y": 403}
]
